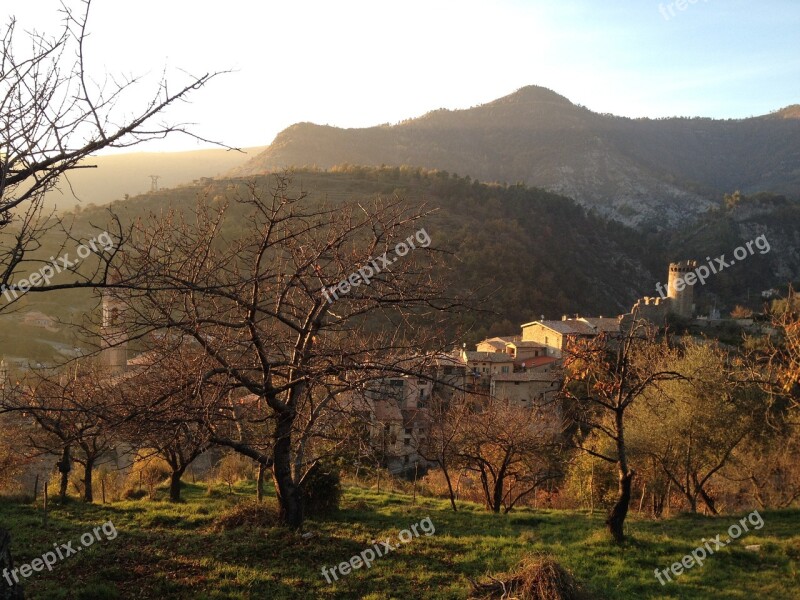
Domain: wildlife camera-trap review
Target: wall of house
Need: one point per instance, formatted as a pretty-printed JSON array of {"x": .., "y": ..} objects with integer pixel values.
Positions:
[{"x": 545, "y": 336}]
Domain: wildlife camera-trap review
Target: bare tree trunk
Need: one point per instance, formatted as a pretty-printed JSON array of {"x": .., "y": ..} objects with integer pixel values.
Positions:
[
  {"x": 707, "y": 499},
  {"x": 262, "y": 469},
  {"x": 616, "y": 518},
  {"x": 88, "y": 495},
  {"x": 451, "y": 492},
  {"x": 497, "y": 494},
  {"x": 669, "y": 498},
  {"x": 290, "y": 507},
  {"x": 641, "y": 500},
  {"x": 44, "y": 506},
  {"x": 64, "y": 467},
  {"x": 416, "y": 471},
  {"x": 175, "y": 484}
]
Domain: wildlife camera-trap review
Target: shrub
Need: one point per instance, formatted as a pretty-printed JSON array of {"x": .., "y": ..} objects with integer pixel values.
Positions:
[
  {"x": 321, "y": 490},
  {"x": 233, "y": 468},
  {"x": 134, "y": 494},
  {"x": 148, "y": 470},
  {"x": 114, "y": 482}
]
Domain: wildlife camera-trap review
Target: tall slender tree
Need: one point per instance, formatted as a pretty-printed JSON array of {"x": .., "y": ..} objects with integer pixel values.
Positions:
[{"x": 603, "y": 378}]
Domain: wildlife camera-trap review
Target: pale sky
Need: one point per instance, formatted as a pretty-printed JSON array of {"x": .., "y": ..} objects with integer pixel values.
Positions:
[{"x": 359, "y": 63}]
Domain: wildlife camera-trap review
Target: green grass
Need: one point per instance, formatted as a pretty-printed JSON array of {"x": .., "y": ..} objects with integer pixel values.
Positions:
[{"x": 174, "y": 551}]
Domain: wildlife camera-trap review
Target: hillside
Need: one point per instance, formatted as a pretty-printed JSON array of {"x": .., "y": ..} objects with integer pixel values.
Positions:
[
  {"x": 116, "y": 175},
  {"x": 528, "y": 252},
  {"x": 642, "y": 172},
  {"x": 209, "y": 547}
]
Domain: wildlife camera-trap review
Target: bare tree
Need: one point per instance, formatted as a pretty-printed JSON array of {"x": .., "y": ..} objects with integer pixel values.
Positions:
[
  {"x": 513, "y": 449},
  {"x": 603, "y": 378},
  {"x": 448, "y": 415},
  {"x": 269, "y": 288},
  {"x": 54, "y": 115},
  {"x": 73, "y": 408},
  {"x": 165, "y": 406}
]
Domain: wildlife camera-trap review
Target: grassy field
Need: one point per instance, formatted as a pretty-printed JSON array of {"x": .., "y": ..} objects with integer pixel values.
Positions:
[{"x": 181, "y": 551}]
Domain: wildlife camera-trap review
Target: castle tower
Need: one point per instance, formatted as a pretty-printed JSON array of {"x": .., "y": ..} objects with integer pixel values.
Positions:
[
  {"x": 113, "y": 336},
  {"x": 682, "y": 300}
]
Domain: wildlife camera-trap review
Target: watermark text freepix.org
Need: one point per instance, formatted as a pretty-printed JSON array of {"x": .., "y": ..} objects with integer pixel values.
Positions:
[
  {"x": 368, "y": 271},
  {"x": 60, "y": 552},
  {"x": 668, "y": 11},
  {"x": 55, "y": 266},
  {"x": 368, "y": 556},
  {"x": 699, "y": 554},
  {"x": 703, "y": 272}
]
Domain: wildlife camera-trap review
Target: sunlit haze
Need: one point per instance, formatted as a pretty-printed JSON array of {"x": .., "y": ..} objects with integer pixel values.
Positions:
[{"x": 356, "y": 64}]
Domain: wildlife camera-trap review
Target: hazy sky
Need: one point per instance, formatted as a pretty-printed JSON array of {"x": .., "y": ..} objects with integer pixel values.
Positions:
[{"x": 355, "y": 64}]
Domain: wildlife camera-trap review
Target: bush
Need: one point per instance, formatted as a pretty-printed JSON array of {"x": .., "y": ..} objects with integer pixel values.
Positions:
[
  {"x": 114, "y": 481},
  {"x": 134, "y": 494},
  {"x": 233, "y": 468},
  {"x": 148, "y": 470},
  {"x": 321, "y": 490}
]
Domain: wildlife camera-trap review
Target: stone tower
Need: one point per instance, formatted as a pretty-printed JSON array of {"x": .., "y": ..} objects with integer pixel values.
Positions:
[
  {"x": 113, "y": 336},
  {"x": 681, "y": 296}
]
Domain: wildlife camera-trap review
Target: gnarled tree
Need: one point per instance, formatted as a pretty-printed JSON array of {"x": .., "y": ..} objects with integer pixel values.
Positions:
[{"x": 294, "y": 302}]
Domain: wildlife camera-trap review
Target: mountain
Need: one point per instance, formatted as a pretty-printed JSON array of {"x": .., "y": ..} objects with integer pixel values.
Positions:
[
  {"x": 643, "y": 172},
  {"x": 117, "y": 175}
]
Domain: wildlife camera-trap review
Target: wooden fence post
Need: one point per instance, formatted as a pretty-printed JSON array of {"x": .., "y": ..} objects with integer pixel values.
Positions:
[{"x": 44, "y": 518}]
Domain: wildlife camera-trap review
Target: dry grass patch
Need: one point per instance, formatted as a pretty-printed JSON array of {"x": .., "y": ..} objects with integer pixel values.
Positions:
[{"x": 534, "y": 578}]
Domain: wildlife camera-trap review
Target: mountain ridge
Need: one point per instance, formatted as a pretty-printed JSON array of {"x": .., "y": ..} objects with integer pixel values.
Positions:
[{"x": 649, "y": 173}]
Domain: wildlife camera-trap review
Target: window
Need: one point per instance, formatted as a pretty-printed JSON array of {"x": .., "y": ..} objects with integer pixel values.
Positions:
[
  {"x": 448, "y": 370},
  {"x": 407, "y": 441},
  {"x": 422, "y": 393},
  {"x": 504, "y": 370},
  {"x": 409, "y": 431},
  {"x": 396, "y": 382}
]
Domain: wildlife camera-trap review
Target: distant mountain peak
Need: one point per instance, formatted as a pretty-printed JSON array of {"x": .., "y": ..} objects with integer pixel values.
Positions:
[{"x": 533, "y": 94}]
